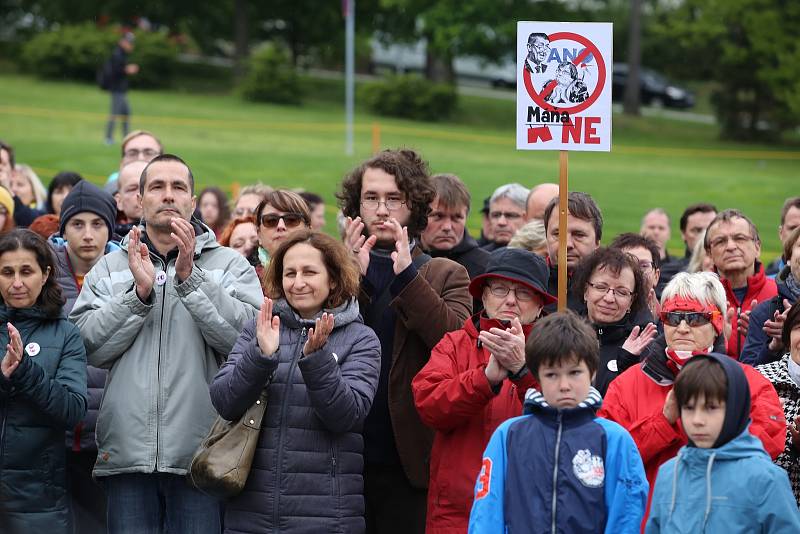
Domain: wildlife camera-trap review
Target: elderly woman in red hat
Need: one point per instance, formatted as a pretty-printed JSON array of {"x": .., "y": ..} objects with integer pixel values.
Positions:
[{"x": 476, "y": 378}]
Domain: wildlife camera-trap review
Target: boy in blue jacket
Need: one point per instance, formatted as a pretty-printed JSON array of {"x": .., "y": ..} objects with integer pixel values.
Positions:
[
  {"x": 723, "y": 480},
  {"x": 559, "y": 468}
]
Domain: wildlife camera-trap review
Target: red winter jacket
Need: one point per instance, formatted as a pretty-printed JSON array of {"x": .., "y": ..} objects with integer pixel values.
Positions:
[
  {"x": 635, "y": 400},
  {"x": 760, "y": 288},
  {"x": 454, "y": 398}
]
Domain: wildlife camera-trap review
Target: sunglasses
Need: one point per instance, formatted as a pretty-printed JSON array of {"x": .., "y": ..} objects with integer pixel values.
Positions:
[
  {"x": 291, "y": 220},
  {"x": 692, "y": 318}
]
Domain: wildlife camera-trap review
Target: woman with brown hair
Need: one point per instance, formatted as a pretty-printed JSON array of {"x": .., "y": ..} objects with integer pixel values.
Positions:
[
  {"x": 279, "y": 214},
  {"x": 320, "y": 365},
  {"x": 213, "y": 205}
]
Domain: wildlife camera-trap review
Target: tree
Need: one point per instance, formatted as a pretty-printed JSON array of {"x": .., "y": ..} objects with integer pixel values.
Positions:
[
  {"x": 749, "y": 49},
  {"x": 633, "y": 83}
]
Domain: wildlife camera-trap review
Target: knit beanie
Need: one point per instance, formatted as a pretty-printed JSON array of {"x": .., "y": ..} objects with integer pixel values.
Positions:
[
  {"x": 86, "y": 196},
  {"x": 7, "y": 201}
]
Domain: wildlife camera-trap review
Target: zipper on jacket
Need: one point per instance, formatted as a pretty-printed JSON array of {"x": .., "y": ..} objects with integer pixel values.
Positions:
[
  {"x": 555, "y": 477},
  {"x": 279, "y": 451},
  {"x": 158, "y": 365}
]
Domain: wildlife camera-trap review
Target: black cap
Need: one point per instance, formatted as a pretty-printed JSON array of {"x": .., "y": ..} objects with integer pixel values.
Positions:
[
  {"x": 517, "y": 265},
  {"x": 485, "y": 208},
  {"x": 86, "y": 196}
]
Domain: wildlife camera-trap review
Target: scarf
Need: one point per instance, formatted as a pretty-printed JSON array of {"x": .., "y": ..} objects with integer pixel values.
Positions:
[
  {"x": 676, "y": 359},
  {"x": 792, "y": 285},
  {"x": 794, "y": 371}
]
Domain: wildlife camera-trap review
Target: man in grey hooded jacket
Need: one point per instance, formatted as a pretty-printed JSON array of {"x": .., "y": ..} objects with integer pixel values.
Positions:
[{"x": 160, "y": 314}]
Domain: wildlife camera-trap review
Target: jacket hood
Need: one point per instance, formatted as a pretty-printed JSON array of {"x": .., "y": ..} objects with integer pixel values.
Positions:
[
  {"x": 534, "y": 402},
  {"x": 342, "y": 315},
  {"x": 21, "y": 315},
  {"x": 737, "y": 402}
]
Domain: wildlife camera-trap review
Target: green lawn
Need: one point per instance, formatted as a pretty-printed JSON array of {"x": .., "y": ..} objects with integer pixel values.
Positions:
[{"x": 654, "y": 162}]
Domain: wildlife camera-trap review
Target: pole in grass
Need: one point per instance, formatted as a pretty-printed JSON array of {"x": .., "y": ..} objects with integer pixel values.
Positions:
[
  {"x": 564, "y": 102},
  {"x": 348, "y": 9}
]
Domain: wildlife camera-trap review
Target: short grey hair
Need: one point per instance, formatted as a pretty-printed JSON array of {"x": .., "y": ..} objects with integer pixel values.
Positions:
[
  {"x": 516, "y": 193},
  {"x": 530, "y": 237},
  {"x": 659, "y": 211},
  {"x": 704, "y": 287}
]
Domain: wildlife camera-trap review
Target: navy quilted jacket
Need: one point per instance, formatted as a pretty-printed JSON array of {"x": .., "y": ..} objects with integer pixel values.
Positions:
[{"x": 307, "y": 469}]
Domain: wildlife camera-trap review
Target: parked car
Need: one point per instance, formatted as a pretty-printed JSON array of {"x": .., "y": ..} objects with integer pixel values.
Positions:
[{"x": 656, "y": 89}]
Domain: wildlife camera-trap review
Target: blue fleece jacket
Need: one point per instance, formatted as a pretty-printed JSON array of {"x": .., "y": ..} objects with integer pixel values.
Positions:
[
  {"x": 560, "y": 471},
  {"x": 731, "y": 489}
]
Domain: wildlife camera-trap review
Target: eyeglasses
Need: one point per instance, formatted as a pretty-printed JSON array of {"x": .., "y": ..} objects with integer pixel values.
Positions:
[
  {"x": 522, "y": 294},
  {"x": 291, "y": 220},
  {"x": 692, "y": 318},
  {"x": 619, "y": 292},
  {"x": 507, "y": 214},
  {"x": 393, "y": 204},
  {"x": 739, "y": 240},
  {"x": 134, "y": 153}
]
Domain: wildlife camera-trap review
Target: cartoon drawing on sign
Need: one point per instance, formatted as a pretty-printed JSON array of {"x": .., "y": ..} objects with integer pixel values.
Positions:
[
  {"x": 535, "y": 62},
  {"x": 567, "y": 88}
]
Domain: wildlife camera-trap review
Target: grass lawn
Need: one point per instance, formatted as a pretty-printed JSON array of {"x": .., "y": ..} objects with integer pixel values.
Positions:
[{"x": 654, "y": 162}]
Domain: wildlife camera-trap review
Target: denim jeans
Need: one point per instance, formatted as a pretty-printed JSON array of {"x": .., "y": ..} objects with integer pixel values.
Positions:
[{"x": 159, "y": 503}]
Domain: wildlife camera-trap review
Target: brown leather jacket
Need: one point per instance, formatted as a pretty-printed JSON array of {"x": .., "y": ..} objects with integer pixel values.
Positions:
[{"x": 435, "y": 302}]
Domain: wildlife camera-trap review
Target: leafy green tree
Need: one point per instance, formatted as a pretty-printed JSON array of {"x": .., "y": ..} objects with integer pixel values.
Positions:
[{"x": 749, "y": 48}]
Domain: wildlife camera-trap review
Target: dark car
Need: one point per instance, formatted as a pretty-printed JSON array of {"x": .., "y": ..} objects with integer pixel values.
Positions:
[{"x": 656, "y": 90}]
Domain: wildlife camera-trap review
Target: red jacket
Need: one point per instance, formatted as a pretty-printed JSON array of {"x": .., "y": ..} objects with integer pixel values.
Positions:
[
  {"x": 635, "y": 401},
  {"x": 760, "y": 288},
  {"x": 453, "y": 396}
]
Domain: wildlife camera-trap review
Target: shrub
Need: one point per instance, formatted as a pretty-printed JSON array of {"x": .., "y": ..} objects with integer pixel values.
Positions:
[
  {"x": 410, "y": 96},
  {"x": 77, "y": 52},
  {"x": 271, "y": 77}
]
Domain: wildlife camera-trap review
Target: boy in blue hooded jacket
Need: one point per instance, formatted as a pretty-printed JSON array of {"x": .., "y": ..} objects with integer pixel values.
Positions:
[
  {"x": 723, "y": 480},
  {"x": 559, "y": 468}
]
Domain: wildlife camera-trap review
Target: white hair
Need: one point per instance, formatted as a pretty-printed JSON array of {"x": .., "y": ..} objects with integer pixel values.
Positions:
[
  {"x": 530, "y": 237},
  {"x": 704, "y": 287},
  {"x": 516, "y": 193},
  {"x": 39, "y": 191}
]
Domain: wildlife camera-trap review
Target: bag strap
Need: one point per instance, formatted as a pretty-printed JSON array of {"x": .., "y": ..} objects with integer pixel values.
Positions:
[{"x": 255, "y": 414}]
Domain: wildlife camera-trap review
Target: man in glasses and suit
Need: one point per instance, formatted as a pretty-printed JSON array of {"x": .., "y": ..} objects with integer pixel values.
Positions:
[{"x": 411, "y": 300}]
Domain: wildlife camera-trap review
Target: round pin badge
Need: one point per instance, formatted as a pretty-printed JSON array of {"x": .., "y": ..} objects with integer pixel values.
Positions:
[
  {"x": 161, "y": 278},
  {"x": 32, "y": 349},
  {"x": 612, "y": 365}
]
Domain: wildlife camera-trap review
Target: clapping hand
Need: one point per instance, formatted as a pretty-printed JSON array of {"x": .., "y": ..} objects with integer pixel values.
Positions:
[
  {"x": 318, "y": 334},
  {"x": 268, "y": 329},
  {"x": 183, "y": 236},
  {"x": 13, "y": 355},
  {"x": 507, "y": 346},
  {"x": 140, "y": 264},
  {"x": 357, "y": 243},
  {"x": 402, "y": 253},
  {"x": 637, "y": 341}
]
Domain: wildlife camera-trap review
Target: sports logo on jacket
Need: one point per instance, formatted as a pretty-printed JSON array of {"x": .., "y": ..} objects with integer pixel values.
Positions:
[{"x": 588, "y": 468}]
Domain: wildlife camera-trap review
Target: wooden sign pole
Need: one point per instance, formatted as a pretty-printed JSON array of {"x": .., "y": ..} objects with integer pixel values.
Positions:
[{"x": 563, "y": 161}]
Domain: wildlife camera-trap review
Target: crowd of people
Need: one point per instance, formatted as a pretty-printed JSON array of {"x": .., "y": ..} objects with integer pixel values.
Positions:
[{"x": 417, "y": 379}]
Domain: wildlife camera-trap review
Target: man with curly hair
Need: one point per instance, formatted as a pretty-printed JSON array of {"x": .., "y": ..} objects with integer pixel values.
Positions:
[{"x": 411, "y": 300}]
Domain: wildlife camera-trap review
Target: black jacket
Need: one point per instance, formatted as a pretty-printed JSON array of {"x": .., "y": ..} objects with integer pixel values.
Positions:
[
  {"x": 118, "y": 82},
  {"x": 467, "y": 253},
  {"x": 613, "y": 358},
  {"x": 44, "y": 396},
  {"x": 307, "y": 469},
  {"x": 670, "y": 269}
]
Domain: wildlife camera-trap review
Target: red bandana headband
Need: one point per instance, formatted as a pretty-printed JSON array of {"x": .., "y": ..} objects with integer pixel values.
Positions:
[{"x": 678, "y": 303}]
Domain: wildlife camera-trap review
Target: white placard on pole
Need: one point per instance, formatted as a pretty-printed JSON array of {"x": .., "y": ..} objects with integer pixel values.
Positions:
[{"x": 564, "y": 86}]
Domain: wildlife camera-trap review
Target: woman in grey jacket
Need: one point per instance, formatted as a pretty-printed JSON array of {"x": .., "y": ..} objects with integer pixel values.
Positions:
[{"x": 321, "y": 365}]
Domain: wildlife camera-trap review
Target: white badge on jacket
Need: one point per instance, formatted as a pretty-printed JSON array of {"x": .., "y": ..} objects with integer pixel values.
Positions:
[
  {"x": 161, "y": 278},
  {"x": 32, "y": 349}
]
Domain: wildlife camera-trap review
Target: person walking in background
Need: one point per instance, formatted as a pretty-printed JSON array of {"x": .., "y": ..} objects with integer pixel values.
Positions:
[
  {"x": 320, "y": 365},
  {"x": 160, "y": 314},
  {"x": 115, "y": 73},
  {"x": 42, "y": 388}
]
